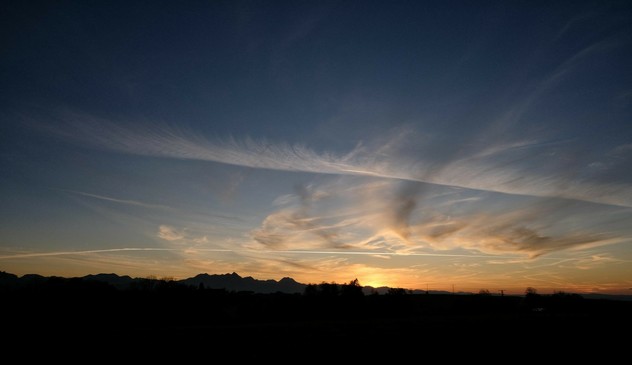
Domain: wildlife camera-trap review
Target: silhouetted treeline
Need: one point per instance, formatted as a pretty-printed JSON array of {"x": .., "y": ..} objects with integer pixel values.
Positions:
[
  {"x": 40, "y": 309},
  {"x": 352, "y": 289},
  {"x": 318, "y": 300}
]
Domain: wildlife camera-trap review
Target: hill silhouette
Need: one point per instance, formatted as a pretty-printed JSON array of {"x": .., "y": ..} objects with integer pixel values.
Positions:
[
  {"x": 234, "y": 282},
  {"x": 231, "y": 282},
  {"x": 268, "y": 318}
]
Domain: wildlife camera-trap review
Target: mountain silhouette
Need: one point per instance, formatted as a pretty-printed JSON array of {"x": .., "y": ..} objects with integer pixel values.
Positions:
[
  {"x": 230, "y": 282},
  {"x": 234, "y": 282},
  {"x": 119, "y": 282}
]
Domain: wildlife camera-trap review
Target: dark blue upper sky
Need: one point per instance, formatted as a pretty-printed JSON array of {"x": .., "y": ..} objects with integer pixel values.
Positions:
[
  {"x": 253, "y": 67},
  {"x": 232, "y": 107}
]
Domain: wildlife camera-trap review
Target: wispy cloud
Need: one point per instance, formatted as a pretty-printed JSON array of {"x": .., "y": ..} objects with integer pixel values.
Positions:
[
  {"x": 169, "y": 234},
  {"x": 396, "y": 218},
  {"x": 179, "y": 236},
  {"x": 198, "y": 250},
  {"x": 298, "y": 225},
  {"x": 523, "y": 229},
  {"x": 120, "y": 201},
  {"x": 395, "y": 213},
  {"x": 589, "y": 262},
  {"x": 83, "y": 252},
  {"x": 201, "y": 220},
  {"x": 505, "y": 168}
]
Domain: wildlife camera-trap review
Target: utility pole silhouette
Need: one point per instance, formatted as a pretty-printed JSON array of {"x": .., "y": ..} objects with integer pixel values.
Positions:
[{"x": 502, "y": 292}]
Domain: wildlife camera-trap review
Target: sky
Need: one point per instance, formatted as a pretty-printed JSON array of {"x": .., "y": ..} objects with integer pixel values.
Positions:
[{"x": 415, "y": 144}]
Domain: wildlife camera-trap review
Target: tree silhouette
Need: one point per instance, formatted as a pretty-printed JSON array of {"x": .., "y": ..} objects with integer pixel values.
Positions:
[
  {"x": 533, "y": 299},
  {"x": 353, "y": 289},
  {"x": 531, "y": 292},
  {"x": 311, "y": 290},
  {"x": 328, "y": 289}
]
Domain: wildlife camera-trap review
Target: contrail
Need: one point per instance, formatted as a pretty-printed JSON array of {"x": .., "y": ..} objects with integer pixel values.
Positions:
[
  {"x": 115, "y": 200},
  {"x": 369, "y": 253},
  {"x": 297, "y": 252},
  {"x": 85, "y": 252}
]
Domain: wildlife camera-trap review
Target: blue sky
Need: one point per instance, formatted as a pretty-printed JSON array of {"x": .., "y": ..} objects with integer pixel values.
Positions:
[{"x": 481, "y": 144}]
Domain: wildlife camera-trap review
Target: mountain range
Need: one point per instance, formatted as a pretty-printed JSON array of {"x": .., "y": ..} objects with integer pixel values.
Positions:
[
  {"x": 229, "y": 282},
  {"x": 232, "y": 282}
]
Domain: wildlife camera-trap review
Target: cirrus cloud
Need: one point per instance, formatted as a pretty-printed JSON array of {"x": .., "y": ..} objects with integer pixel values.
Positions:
[{"x": 519, "y": 167}]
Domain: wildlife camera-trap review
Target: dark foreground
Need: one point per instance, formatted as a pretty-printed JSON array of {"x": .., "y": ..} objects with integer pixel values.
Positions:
[{"x": 175, "y": 318}]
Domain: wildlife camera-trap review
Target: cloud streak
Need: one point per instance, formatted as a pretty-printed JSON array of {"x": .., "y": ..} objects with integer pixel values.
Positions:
[
  {"x": 252, "y": 251},
  {"x": 84, "y": 252},
  {"x": 509, "y": 168},
  {"x": 120, "y": 201}
]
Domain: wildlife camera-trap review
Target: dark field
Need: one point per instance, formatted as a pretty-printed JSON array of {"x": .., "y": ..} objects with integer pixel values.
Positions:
[{"x": 63, "y": 312}]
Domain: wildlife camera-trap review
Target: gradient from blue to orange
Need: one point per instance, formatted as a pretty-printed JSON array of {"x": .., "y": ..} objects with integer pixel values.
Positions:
[{"x": 413, "y": 144}]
